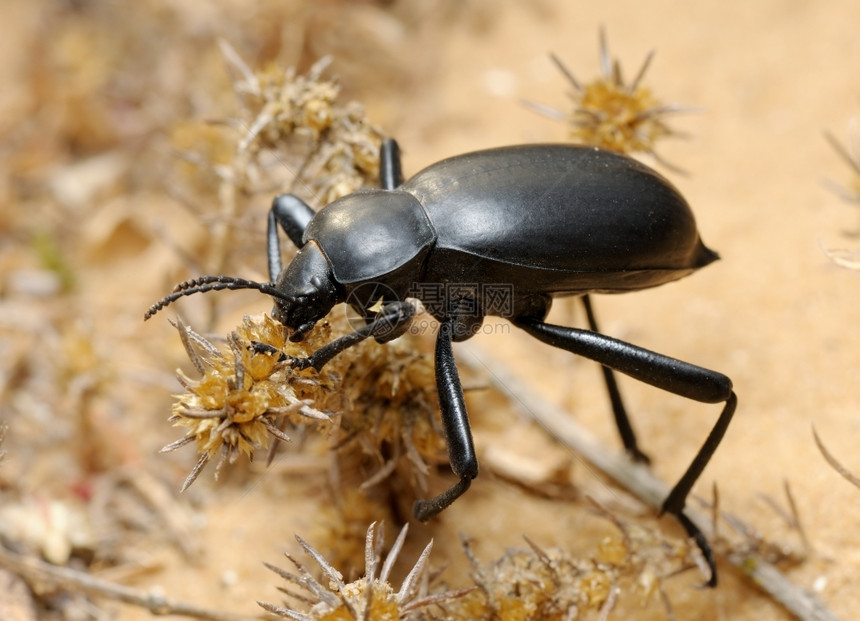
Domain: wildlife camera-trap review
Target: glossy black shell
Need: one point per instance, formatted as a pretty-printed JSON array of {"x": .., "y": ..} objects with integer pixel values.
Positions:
[{"x": 548, "y": 219}]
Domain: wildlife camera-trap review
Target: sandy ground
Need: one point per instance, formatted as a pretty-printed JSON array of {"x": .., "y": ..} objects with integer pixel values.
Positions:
[{"x": 775, "y": 314}]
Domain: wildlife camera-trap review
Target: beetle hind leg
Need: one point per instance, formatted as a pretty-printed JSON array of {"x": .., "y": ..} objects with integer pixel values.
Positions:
[
  {"x": 670, "y": 374},
  {"x": 677, "y": 498}
]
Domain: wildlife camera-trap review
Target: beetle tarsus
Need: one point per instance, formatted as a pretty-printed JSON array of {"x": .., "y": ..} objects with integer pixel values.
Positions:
[
  {"x": 423, "y": 510},
  {"x": 258, "y": 347},
  {"x": 695, "y": 533},
  {"x": 300, "y": 364}
]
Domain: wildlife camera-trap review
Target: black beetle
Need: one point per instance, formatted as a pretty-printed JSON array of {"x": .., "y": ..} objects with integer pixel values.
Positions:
[{"x": 532, "y": 221}]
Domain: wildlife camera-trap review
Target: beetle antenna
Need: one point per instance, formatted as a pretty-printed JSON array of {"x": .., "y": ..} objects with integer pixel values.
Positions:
[{"x": 214, "y": 283}]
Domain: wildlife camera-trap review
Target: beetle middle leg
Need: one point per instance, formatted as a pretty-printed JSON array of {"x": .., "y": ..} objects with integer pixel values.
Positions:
[
  {"x": 622, "y": 420},
  {"x": 670, "y": 374},
  {"x": 391, "y": 321},
  {"x": 458, "y": 433}
]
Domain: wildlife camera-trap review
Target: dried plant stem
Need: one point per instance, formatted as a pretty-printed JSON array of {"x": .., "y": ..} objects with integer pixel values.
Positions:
[
  {"x": 637, "y": 480},
  {"x": 33, "y": 570},
  {"x": 834, "y": 463}
]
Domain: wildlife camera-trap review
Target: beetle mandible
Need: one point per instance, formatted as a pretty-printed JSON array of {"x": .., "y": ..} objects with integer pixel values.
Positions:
[{"x": 543, "y": 220}]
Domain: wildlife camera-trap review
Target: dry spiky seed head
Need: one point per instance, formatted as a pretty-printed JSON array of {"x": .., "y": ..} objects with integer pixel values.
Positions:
[
  {"x": 542, "y": 584},
  {"x": 283, "y": 105},
  {"x": 380, "y": 400},
  {"x": 246, "y": 394},
  {"x": 371, "y": 596},
  {"x": 611, "y": 113}
]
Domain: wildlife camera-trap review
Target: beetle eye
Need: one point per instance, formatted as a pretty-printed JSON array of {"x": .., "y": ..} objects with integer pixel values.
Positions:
[{"x": 280, "y": 312}]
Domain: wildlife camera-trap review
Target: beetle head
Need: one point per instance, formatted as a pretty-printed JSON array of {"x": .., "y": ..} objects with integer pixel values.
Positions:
[
  {"x": 304, "y": 292},
  {"x": 308, "y": 291}
]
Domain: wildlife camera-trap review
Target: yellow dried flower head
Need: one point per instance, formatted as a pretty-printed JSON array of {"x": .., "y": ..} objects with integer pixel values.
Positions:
[
  {"x": 288, "y": 102},
  {"x": 245, "y": 395},
  {"x": 537, "y": 584},
  {"x": 612, "y": 114},
  {"x": 379, "y": 399},
  {"x": 369, "y": 597}
]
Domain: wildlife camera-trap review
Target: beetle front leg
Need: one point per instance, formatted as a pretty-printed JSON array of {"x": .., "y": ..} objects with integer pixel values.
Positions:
[
  {"x": 458, "y": 434},
  {"x": 681, "y": 378},
  {"x": 293, "y": 214},
  {"x": 390, "y": 322},
  {"x": 622, "y": 420}
]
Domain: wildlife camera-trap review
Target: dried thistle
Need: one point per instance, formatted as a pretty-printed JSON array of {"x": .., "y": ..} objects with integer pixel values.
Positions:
[
  {"x": 376, "y": 403},
  {"x": 535, "y": 584},
  {"x": 290, "y": 134},
  {"x": 369, "y": 597},
  {"x": 291, "y": 122},
  {"x": 543, "y": 584},
  {"x": 612, "y": 114},
  {"x": 379, "y": 401},
  {"x": 245, "y": 396},
  {"x": 282, "y": 108}
]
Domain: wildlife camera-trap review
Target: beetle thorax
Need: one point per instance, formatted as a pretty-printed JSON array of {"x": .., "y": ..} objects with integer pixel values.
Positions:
[{"x": 372, "y": 236}]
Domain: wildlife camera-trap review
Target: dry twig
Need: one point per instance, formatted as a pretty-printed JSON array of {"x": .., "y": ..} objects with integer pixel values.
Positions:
[
  {"x": 838, "y": 467},
  {"x": 33, "y": 570}
]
